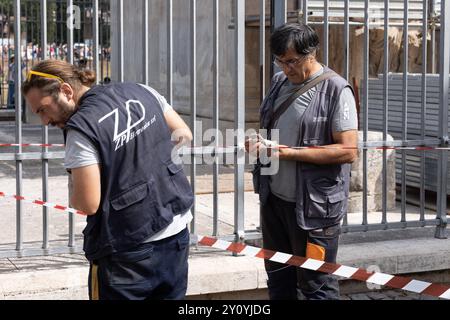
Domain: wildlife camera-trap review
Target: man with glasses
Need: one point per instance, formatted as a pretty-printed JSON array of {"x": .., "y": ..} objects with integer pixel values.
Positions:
[
  {"x": 118, "y": 152},
  {"x": 303, "y": 203}
]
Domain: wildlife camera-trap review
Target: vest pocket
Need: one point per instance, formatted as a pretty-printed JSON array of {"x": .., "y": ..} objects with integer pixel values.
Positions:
[
  {"x": 173, "y": 168},
  {"x": 130, "y": 197},
  {"x": 325, "y": 198},
  {"x": 180, "y": 191},
  {"x": 134, "y": 213}
]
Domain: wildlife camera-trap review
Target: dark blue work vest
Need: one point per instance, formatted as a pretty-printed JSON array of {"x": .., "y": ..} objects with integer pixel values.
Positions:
[
  {"x": 141, "y": 188},
  {"x": 322, "y": 190}
]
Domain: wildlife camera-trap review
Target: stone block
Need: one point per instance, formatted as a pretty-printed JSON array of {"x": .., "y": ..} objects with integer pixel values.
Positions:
[{"x": 374, "y": 176}]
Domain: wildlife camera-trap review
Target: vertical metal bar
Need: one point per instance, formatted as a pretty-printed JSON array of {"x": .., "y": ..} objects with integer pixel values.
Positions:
[
  {"x": 346, "y": 39},
  {"x": 169, "y": 51},
  {"x": 278, "y": 18},
  {"x": 433, "y": 37},
  {"x": 262, "y": 49},
  {"x": 365, "y": 106},
  {"x": 444, "y": 66},
  {"x": 405, "y": 106},
  {"x": 102, "y": 45},
  {"x": 279, "y": 13},
  {"x": 25, "y": 24},
  {"x": 193, "y": 103},
  {"x": 80, "y": 37},
  {"x": 146, "y": 44},
  {"x": 326, "y": 31},
  {"x": 239, "y": 119},
  {"x": 70, "y": 60},
  {"x": 61, "y": 28},
  {"x": 25, "y": 28},
  {"x": 385, "y": 109},
  {"x": 424, "y": 106},
  {"x": 305, "y": 11},
  {"x": 2, "y": 57},
  {"x": 216, "y": 92},
  {"x": 70, "y": 33},
  {"x": 108, "y": 36},
  {"x": 44, "y": 133},
  {"x": 2, "y": 25},
  {"x": 96, "y": 48},
  {"x": 346, "y": 60},
  {"x": 121, "y": 42},
  {"x": 18, "y": 106},
  {"x": 262, "y": 56},
  {"x": 32, "y": 35}
]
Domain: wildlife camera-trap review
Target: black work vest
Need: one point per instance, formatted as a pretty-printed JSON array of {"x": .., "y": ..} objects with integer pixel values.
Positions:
[
  {"x": 322, "y": 190},
  {"x": 141, "y": 188}
]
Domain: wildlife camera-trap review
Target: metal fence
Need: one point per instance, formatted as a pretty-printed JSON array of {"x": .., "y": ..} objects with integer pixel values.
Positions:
[
  {"x": 97, "y": 53},
  {"x": 57, "y": 44},
  {"x": 375, "y": 13}
]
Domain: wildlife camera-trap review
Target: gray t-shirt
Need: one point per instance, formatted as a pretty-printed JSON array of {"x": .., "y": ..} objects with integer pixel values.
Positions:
[
  {"x": 282, "y": 184},
  {"x": 81, "y": 152}
]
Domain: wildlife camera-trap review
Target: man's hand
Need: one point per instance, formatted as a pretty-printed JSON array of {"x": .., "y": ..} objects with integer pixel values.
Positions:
[
  {"x": 257, "y": 146},
  {"x": 251, "y": 141}
]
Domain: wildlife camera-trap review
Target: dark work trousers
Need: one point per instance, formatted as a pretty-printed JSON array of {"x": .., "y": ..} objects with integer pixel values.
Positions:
[
  {"x": 281, "y": 233},
  {"x": 155, "y": 270}
]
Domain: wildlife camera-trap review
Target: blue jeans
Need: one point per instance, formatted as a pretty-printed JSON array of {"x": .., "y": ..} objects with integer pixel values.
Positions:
[{"x": 155, "y": 270}]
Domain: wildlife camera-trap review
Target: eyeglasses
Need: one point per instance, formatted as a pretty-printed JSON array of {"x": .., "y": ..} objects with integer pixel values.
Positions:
[
  {"x": 290, "y": 63},
  {"x": 43, "y": 75}
]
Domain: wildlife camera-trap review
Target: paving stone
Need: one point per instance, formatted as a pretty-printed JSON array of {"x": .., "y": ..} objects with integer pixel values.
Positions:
[
  {"x": 359, "y": 296},
  {"x": 425, "y": 297},
  {"x": 393, "y": 293},
  {"x": 345, "y": 297},
  {"x": 403, "y": 298},
  {"x": 412, "y": 295},
  {"x": 376, "y": 295}
]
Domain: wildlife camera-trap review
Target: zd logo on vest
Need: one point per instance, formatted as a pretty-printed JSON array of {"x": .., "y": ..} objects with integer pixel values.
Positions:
[{"x": 132, "y": 107}]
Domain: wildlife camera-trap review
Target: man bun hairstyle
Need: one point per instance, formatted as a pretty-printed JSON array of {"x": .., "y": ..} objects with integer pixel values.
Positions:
[
  {"x": 62, "y": 69},
  {"x": 87, "y": 77},
  {"x": 300, "y": 37}
]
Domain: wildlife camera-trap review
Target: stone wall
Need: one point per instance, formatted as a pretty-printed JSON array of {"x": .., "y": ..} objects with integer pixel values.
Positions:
[{"x": 374, "y": 178}]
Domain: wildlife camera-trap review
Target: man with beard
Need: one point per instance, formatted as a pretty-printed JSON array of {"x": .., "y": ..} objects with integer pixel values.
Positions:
[{"x": 118, "y": 153}]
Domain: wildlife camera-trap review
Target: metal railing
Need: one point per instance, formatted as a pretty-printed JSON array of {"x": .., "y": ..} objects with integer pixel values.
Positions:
[
  {"x": 442, "y": 137},
  {"x": 237, "y": 26}
]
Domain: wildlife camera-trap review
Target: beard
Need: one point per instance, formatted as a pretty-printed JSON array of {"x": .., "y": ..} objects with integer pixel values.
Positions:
[{"x": 65, "y": 111}]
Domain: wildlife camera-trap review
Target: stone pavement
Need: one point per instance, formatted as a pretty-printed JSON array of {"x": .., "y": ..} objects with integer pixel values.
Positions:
[
  {"x": 213, "y": 273},
  {"x": 387, "y": 295}
]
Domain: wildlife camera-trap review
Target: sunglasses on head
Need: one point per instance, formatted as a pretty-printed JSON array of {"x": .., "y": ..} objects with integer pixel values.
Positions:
[{"x": 43, "y": 75}]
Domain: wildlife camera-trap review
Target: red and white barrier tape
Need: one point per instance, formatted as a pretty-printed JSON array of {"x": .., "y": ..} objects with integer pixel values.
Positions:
[
  {"x": 370, "y": 148},
  {"x": 324, "y": 147},
  {"x": 30, "y": 145},
  {"x": 212, "y": 148},
  {"x": 397, "y": 282},
  {"x": 42, "y": 203}
]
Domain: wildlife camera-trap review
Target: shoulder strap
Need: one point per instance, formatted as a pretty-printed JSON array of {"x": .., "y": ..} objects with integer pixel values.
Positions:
[{"x": 288, "y": 102}]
